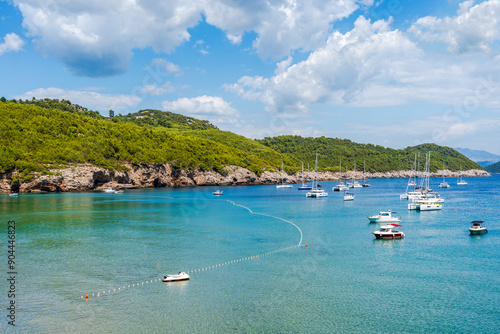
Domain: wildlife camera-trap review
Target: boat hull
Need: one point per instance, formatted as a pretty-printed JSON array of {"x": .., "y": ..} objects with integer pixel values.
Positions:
[
  {"x": 398, "y": 235},
  {"x": 175, "y": 278},
  {"x": 477, "y": 231}
]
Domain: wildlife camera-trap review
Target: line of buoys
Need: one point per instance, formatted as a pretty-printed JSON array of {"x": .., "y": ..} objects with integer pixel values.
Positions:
[
  {"x": 86, "y": 297},
  {"x": 265, "y": 214}
]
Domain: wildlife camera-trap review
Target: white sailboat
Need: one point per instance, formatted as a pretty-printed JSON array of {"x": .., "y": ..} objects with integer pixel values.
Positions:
[
  {"x": 354, "y": 183},
  {"x": 315, "y": 191},
  {"x": 460, "y": 181},
  {"x": 283, "y": 185},
  {"x": 340, "y": 186},
  {"x": 348, "y": 196},
  {"x": 444, "y": 184},
  {"x": 304, "y": 186}
]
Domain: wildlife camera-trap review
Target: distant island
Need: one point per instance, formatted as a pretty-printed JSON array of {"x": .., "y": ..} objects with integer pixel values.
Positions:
[
  {"x": 494, "y": 168},
  {"x": 54, "y": 145}
]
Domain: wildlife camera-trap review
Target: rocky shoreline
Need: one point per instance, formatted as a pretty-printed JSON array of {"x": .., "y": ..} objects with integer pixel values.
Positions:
[{"x": 88, "y": 178}]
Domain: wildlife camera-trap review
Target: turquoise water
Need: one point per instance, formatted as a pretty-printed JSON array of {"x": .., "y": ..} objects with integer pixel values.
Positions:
[{"x": 438, "y": 279}]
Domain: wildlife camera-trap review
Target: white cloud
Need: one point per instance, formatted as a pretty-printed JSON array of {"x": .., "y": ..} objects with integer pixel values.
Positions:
[
  {"x": 336, "y": 73},
  {"x": 370, "y": 66},
  {"x": 91, "y": 100},
  {"x": 12, "y": 42},
  {"x": 213, "y": 108},
  {"x": 474, "y": 28},
  {"x": 281, "y": 26},
  {"x": 157, "y": 90},
  {"x": 96, "y": 38},
  {"x": 165, "y": 64}
]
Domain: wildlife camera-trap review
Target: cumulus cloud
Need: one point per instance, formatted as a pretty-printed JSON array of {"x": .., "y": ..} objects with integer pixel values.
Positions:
[
  {"x": 12, "y": 42},
  {"x": 96, "y": 38},
  {"x": 474, "y": 28},
  {"x": 372, "y": 65},
  {"x": 88, "y": 99},
  {"x": 157, "y": 90},
  {"x": 166, "y": 65},
  {"x": 335, "y": 73},
  {"x": 213, "y": 108},
  {"x": 281, "y": 26}
]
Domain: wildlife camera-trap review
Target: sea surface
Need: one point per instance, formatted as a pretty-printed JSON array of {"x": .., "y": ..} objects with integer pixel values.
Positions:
[{"x": 438, "y": 279}]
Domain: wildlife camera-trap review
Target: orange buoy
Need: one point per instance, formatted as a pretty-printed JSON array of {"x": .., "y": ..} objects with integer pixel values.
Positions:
[
  {"x": 87, "y": 296},
  {"x": 307, "y": 245}
]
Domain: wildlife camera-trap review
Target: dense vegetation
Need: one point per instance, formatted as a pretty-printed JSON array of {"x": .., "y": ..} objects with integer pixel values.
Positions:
[
  {"x": 39, "y": 134},
  {"x": 34, "y": 138},
  {"x": 378, "y": 158},
  {"x": 494, "y": 168}
]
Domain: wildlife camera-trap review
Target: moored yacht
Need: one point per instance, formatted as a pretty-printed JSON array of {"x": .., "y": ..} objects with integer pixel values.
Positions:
[
  {"x": 477, "y": 228},
  {"x": 389, "y": 232},
  {"x": 283, "y": 185},
  {"x": 316, "y": 192},
  {"x": 348, "y": 196},
  {"x": 384, "y": 217}
]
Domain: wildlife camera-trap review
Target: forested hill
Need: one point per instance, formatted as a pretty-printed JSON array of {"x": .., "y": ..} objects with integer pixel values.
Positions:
[
  {"x": 378, "y": 158},
  {"x": 41, "y": 134},
  {"x": 34, "y": 138},
  {"x": 494, "y": 168}
]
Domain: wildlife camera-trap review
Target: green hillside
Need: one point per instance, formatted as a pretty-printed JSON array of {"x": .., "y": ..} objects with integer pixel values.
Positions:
[
  {"x": 494, "y": 168},
  {"x": 40, "y": 134},
  {"x": 378, "y": 158},
  {"x": 34, "y": 138}
]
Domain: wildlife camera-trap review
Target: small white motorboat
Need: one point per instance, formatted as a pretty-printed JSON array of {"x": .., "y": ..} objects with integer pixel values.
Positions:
[
  {"x": 384, "y": 217},
  {"x": 218, "y": 192},
  {"x": 13, "y": 194},
  {"x": 181, "y": 276},
  {"x": 388, "y": 232},
  {"x": 348, "y": 196},
  {"x": 108, "y": 191},
  {"x": 477, "y": 228}
]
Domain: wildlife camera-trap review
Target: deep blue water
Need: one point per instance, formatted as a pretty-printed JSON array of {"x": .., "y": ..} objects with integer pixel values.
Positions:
[{"x": 437, "y": 279}]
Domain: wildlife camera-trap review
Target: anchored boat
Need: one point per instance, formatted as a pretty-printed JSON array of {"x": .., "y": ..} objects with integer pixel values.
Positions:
[
  {"x": 181, "y": 276},
  {"x": 384, "y": 217},
  {"x": 477, "y": 227},
  {"x": 389, "y": 232}
]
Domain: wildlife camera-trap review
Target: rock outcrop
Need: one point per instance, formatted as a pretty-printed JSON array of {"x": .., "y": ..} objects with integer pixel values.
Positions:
[{"x": 87, "y": 177}]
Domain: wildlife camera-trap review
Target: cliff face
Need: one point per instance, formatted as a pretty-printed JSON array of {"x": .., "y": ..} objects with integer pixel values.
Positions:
[{"x": 85, "y": 178}]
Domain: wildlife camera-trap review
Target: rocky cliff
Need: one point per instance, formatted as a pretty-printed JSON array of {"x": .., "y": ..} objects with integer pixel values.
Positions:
[{"x": 86, "y": 177}]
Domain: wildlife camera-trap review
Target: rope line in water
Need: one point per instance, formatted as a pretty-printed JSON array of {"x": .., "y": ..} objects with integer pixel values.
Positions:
[
  {"x": 98, "y": 294},
  {"x": 265, "y": 214}
]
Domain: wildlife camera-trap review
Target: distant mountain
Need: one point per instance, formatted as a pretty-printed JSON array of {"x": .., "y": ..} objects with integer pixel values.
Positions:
[
  {"x": 483, "y": 158},
  {"x": 493, "y": 169}
]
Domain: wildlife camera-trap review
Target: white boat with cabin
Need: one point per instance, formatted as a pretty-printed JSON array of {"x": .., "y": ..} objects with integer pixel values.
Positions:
[
  {"x": 389, "y": 232},
  {"x": 384, "y": 217},
  {"x": 477, "y": 227}
]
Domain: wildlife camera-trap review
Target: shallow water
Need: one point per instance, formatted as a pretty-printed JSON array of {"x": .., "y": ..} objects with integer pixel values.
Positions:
[{"x": 438, "y": 279}]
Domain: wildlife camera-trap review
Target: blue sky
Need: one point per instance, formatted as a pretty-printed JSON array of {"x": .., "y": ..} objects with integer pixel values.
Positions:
[{"x": 393, "y": 73}]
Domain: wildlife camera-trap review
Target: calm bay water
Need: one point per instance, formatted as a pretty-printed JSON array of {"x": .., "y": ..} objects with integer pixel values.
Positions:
[{"x": 438, "y": 279}]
